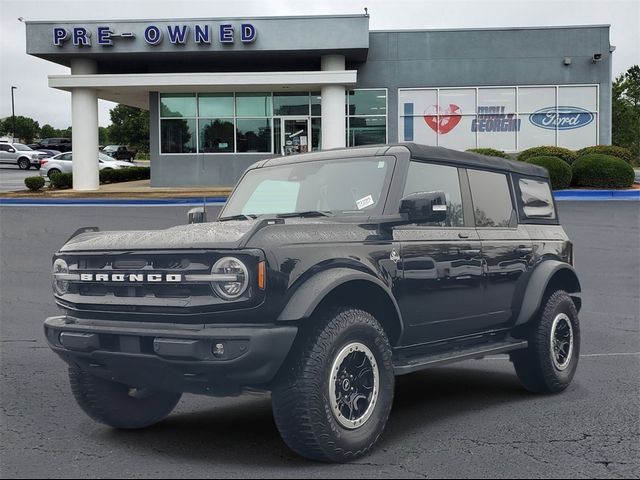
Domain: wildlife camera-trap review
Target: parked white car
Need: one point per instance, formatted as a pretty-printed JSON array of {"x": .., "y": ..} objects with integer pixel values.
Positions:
[
  {"x": 21, "y": 155},
  {"x": 63, "y": 164}
]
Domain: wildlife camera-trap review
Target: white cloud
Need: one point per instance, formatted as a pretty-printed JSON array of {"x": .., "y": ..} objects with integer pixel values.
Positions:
[{"x": 35, "y": 99}]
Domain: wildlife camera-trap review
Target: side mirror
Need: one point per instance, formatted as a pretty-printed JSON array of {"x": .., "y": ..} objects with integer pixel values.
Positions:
[
  {"x": 197, "y": 215},
  {"x": 425, "y": 207},
  {"x": 11, "y": 150}
]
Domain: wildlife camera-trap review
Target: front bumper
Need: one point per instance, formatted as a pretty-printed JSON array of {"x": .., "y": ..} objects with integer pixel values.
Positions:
[{"x": 171, "y": 357}]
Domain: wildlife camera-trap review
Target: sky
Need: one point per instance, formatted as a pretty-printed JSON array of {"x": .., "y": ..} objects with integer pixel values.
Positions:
[{"x": 33, "y": 98}]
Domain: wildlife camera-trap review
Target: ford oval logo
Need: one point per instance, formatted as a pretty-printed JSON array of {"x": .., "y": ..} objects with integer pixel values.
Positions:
[{"x": 565, "y": 118}]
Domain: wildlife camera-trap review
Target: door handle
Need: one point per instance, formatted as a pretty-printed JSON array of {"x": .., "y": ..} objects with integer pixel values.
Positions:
[
  {"x": 524, "y": 250},
  {"x": 463, "y": 235},
  {"x": 470, "y": 251}
]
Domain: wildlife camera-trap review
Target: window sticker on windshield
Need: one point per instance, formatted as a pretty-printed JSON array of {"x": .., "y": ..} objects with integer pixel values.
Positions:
[
  {"x": 365, "y": 202},
  {"x": 381, "y": 164}
]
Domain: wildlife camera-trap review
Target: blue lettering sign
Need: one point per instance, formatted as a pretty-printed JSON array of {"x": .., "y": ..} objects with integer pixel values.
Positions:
[
  {"x": 202, "y": 34},
  {"x": 226, "y": 33},
  {"x": 152, "y": 35},
  {"x": 104, "y": 36},
  {"x": 494, "y": 120},
  {"x": 562, "y": 118},
  {"x": 60, "y": 35},
  {"x": 81, "y": 37},
  {"x": 178, "y": 34},
  {"x": 248, "y": 33}
]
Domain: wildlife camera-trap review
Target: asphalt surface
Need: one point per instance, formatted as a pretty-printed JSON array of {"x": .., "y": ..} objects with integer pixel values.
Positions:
[
  {"x": 12, "y": 178},
  {"x": 468, "y": 420}
]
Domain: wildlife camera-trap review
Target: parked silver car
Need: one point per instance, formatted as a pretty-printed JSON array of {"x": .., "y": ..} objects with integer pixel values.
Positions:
[
  {"x": 21, "y": 155},
  {"x": 63, "y": 164}
]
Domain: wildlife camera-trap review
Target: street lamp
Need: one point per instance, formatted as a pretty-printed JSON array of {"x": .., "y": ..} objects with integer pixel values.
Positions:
[{"x": 13, "y": 116}]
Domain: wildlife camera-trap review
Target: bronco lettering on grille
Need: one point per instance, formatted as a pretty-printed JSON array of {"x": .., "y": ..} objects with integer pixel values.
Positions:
[{"x": 132, "y": 277}]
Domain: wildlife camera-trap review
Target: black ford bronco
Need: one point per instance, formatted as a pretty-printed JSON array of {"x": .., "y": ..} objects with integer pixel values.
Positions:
[{"x": 325, "y": 276}]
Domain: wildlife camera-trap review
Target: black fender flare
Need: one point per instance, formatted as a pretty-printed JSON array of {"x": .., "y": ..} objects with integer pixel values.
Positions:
[
  {"x": 537, "y": 285},
  {"x": 308, "y": 296}
]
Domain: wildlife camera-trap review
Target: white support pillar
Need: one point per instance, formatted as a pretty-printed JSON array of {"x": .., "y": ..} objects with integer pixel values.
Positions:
[
  {"x": 84, "y": 123},
  {"x": 333, "y": 106}
]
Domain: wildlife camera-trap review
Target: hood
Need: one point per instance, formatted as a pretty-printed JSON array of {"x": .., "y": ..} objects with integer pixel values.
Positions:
[{"x": 222, "y": 235}]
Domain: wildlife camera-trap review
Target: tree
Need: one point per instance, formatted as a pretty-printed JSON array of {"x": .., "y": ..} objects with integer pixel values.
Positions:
[
  {"x": 26, "y": 128},
  {"x": 47, "y": 131},
  {"x": 104, "y": 135},
  {"x": 130, "y": 126},
  {"x": 625, "y": 111}
]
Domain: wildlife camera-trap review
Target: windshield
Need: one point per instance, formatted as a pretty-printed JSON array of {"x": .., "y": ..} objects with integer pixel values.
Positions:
[
  {"x": 110, "y": 148},
  {"x": 105, "y": 158},
  {"x": 21, "y": 148},
  {"x": 355, "y": 186}
]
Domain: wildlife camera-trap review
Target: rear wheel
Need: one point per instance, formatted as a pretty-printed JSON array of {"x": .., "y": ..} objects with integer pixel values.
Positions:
[
  {"x": 52, "y": 171},
  {"x": 549, "y": 363},
  {"x": 119, "y": 405},
  {"x": 24, "y": 163},
  {"x": 334, "y": 395}
]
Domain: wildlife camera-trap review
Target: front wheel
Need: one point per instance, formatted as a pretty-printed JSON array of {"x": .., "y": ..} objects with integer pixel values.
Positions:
[
  {"x": 550, "y": 362},
  {"x": 118, "y": 405},
  {"x": 24, "y": 164},
  {"x": 334, "y": 395}
]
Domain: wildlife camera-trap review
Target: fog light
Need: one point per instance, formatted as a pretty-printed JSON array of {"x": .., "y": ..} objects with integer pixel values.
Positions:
[{"x": 218, "y": 349}]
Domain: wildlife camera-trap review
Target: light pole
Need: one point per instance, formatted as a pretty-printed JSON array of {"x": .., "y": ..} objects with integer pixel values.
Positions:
[{"x": 13, "y": 116}]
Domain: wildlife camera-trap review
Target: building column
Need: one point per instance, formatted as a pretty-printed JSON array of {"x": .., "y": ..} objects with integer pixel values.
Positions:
[
  {"x": 84, "y": 124},
  {"x": 333, "y": 106}
]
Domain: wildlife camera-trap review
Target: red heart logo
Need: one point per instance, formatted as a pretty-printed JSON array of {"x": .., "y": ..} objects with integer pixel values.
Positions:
[{"x": 443, "y": 121}]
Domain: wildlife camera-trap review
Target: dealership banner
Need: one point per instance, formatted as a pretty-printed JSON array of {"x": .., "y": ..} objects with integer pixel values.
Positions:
[{"x": 507, "y": 118}]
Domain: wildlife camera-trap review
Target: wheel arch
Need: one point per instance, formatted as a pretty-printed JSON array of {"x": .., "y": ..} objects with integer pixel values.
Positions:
[
  {"x": 346, "y": 287},
  {"x": 550, "y": 275}
]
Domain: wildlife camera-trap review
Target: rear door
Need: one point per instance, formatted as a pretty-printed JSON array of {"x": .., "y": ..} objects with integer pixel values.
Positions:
[
  {"x": 441, "y": 264},
  {"x": 5, "y": 155},
  {"x": 507, "y": 250}
]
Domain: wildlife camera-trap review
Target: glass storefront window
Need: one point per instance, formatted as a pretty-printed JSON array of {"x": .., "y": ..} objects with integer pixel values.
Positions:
[
  {"x": 316, "y": 134},
  {"x": 178, "y": 105},
  {"x": 217, "y": 135},
  {"x": 178, "y": 136},
  {"x": 367, "y": 102},
  {"x": 215, "y": 105},
  {"x": 253, "y": 105},
  {"x": 316, "y": 106},
  {"x": 367, "y": 130},
  {"x": 291, "y": 104},
  {"x": 253, "y": 135}
]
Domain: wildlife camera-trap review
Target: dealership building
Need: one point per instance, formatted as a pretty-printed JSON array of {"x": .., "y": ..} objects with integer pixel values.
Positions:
[{"x": 225, "y": 93}]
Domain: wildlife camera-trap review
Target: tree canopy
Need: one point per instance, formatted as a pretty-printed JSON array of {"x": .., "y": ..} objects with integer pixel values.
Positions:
[{"x": 625, "y": 113}]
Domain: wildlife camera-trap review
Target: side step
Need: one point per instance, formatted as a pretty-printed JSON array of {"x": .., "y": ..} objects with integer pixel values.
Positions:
[{"x": 414, "y": 364}]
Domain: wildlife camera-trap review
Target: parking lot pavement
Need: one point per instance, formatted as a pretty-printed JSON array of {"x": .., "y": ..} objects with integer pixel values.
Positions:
[
  {"x": 12, "y": 178},
  {"x": 467, "y": 420}
]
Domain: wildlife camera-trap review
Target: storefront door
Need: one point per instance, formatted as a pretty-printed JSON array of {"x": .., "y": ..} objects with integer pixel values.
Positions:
[{"x": 291, "y": 135}]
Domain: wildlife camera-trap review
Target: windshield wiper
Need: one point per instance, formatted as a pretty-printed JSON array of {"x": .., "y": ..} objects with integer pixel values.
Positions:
[
  {"x": 309, "y": 213},
  {"x": 238, "y": 217}
]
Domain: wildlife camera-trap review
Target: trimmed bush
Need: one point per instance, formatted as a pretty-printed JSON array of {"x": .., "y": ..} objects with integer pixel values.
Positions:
[
  {"x": 562, "y": 153},
  {"x": 61, "y": 180},
  {"x": 559, "y": 170},
  {"x": 34, "y": 183},
  {"x": 602, "y": 171},
  {"x": 618, "y": 152},
  {"x": 491, "y": 152},
  {"x": 129, "y": 174}
]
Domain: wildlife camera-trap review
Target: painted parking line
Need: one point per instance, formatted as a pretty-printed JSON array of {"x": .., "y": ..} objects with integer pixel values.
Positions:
[
  {"x": 586, "y": 195},
  {"x": 97, "y": 202}
]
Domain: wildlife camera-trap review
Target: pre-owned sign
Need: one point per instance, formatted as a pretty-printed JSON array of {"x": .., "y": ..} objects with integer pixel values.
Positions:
[{"x": 178, "y": 34}]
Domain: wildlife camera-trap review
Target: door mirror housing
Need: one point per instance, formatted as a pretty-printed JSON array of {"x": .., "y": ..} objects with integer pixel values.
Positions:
[
  {"x": 425, "y": 207},
  {"x": 11, "y": 150},
  {"x": 197, "y": 215}
]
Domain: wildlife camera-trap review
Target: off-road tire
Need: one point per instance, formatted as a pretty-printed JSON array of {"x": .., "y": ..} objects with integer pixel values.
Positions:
[
  {"x": 110, "y": 403},
  {"x": 535, "y": 366},
  {"x": 301, "y": 397}
]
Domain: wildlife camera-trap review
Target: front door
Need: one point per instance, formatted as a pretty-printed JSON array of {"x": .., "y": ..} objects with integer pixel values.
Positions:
[{"x": 292, "y": 135}]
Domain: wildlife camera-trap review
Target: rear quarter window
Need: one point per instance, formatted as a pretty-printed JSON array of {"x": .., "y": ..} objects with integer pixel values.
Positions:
[{"x": 536, "y": 199}]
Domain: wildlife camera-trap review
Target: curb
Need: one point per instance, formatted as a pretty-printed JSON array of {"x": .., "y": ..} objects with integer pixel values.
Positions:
[
  {"x": 607, "y": 195},
  {"x": 122, "y": 202}
]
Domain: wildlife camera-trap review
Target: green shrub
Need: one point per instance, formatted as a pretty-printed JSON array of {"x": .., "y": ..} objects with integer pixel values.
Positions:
[
  {"x": 602, "y": 171},
  {"x": 34, "y": 183},
  {"x": 562, "y": 153},
  {"x": 559, "y": 170},
  {"x": 491, "y": 152},
  {"x": 61, "y": 180},
  {"x": 618, "y": 152},
  {"x": 129, "y": 174}
]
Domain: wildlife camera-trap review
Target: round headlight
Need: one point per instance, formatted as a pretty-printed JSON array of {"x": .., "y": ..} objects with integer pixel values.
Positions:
[
  {"x": 230, "y": 289},
  {"x": 60, "y": 267}
]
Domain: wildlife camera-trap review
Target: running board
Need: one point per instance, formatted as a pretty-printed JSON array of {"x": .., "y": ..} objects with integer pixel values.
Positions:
[{"x": 414, "y": 364}]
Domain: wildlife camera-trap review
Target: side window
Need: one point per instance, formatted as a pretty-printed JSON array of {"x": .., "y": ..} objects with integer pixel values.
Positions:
[
  {"x": 4, "y": 148},
  {"x": 428, "y": 177},
  {"x": 491, "y": 198},
  {"x": 537, "y": 199},
  {"x": 66, "y": 156}
]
